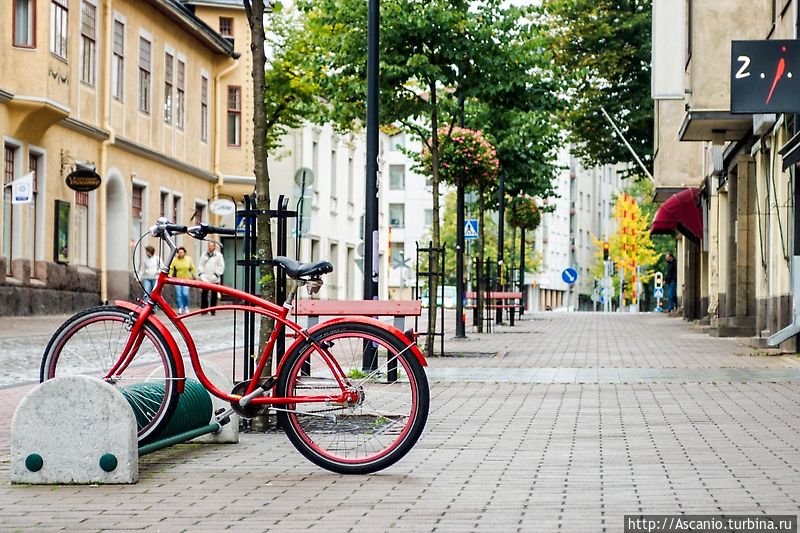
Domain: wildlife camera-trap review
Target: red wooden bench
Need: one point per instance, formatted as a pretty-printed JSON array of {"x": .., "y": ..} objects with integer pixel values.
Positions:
[
  {"x": 497, "y": 300},
  {"x": 399, "y": 309}
]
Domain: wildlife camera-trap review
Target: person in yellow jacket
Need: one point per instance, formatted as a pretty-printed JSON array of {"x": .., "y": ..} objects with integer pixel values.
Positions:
[{"x": 182, "y": 267}]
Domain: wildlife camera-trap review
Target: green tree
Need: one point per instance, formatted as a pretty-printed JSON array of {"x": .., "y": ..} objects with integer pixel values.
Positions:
[
  {"x": 293, "y": 83},
  {"x": 434, "y": 54},
  {"x": 601, "y": 51}
]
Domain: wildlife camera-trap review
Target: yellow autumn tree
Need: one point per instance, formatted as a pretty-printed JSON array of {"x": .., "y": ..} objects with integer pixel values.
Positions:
[{"x": 630, "y": 247}]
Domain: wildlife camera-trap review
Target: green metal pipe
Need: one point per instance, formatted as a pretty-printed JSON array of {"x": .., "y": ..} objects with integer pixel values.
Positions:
[{"x": 177, "y": 439}]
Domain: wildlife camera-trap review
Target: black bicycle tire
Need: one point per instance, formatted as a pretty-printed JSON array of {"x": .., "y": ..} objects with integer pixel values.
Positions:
[
  {"x": 72, "y": 325},
  {"x": 399, "y": 451}
]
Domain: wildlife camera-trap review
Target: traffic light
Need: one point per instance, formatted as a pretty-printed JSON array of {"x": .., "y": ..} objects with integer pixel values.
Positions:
[{"x": 605, "y": 251}]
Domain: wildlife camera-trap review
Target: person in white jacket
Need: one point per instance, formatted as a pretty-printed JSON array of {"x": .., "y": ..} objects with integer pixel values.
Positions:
[
  {"x": 151, "y": 265},
  {"x": 210, "y": 269}
]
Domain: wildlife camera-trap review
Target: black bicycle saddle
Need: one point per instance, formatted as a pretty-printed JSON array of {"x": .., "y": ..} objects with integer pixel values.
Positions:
[{"x": 295, "y": 269}]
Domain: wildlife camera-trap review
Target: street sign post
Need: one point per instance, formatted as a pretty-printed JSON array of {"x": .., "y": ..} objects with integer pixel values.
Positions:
[
  {"x": 471, "y": 229},
  {"x": 570, "y": 276}
]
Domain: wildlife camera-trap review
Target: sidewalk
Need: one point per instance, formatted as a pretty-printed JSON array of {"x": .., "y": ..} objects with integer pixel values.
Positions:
[{"x": 567, "y": 420}]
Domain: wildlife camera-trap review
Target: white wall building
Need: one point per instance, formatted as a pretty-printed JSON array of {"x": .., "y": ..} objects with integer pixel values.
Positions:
[
  {"x": 592, "y": 195},
  {"x": 548, "y": 290},
  {"x": 409, "y": 204},
  {"x": 333, "y": 206}
]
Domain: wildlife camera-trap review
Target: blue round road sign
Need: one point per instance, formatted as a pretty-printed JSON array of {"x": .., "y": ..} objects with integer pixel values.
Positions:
[{"x": 569, "y": 275}]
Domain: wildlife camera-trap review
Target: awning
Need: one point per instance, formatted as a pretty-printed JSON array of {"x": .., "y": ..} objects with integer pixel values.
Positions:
[{"x": 680, "y": 212}]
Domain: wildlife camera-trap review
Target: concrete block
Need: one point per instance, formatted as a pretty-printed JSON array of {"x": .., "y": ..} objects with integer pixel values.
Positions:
[
  {"x": 66, "y": 430},
  {"x": 21, "y": 269},
  {"x": 230, "y": 431},
  {"x": 53, "y": 274}
]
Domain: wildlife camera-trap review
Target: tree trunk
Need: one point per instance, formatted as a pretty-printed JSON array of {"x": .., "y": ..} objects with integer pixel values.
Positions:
[
  {"x": 433, "y": 257},
  {"x": 255, "y": 16}
]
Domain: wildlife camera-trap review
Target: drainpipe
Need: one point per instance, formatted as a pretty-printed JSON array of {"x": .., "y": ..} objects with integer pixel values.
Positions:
[
  {"x": 217, "y": 77},
  {"x": 105, "y": 91},
  {"x": 794, "y": 328}
]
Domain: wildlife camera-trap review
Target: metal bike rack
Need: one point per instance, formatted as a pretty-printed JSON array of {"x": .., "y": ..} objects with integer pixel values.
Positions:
[{"x": 251, "y": 263}]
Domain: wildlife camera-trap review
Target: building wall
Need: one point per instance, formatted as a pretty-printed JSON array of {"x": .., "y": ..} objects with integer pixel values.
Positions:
[
  {"x": 593, "y": 192},
  {"x": 53, "y": 110},
  {"x": 553, "y": 243},
  {"x": 748, "y": 204}
]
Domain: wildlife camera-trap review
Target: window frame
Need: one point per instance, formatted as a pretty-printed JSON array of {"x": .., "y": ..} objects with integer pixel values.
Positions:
[
  {"x": 88, "y": 46},
  {"x": 59, "y": 33},
  {"x": 403, "y": 177},
  {"x": 32, "y": 16},
  {"x": 145, "y": 76},
  {"x": 180, "y": 94},
  {"x": 169, "y": 77},
  {"x": 234, "y": 113},
  {"x": 118, "y": 62},
  {"x": 204, "y": 107},
  {"x": 229, "y": 22}
]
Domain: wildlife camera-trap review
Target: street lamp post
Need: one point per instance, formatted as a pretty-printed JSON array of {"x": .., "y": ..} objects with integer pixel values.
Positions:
[{"x": 371, "y": 204}]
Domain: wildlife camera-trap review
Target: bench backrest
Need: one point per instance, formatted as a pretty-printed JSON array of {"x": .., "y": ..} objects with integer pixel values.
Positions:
[{"x": 358, "y": 307}]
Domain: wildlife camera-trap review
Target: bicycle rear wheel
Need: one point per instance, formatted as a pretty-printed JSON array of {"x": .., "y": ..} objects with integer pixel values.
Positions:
[
  {"x": 371, "y": 433},
  {"x": 91, "y": 342}
]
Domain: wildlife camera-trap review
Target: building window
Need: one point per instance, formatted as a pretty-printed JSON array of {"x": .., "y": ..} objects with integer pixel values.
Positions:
[
  {"x": 82, "y": 227},
  {"x": 397, "y": 216},
  {"x": 162, "y": 204},
  {"x": 199, "y": 213},
  {"x": 144, "y": 75},
  {"x": 234, "y": 116},
  {"x": 88, "y": 37},
  {"x": 397, "y": 177},
  {"x": 203, "y": 108},
  {"x": 176, "y": 209},
  {"x": 428, "y": 217},
  {"x": 137, "y": 211},
  {"x": 334, "y": 174},
  {"x": 8, "y": 218},
  {"x": 180, "y": 100},
  {"x": 350, "y": 180},
  {"x": 168, "y": 65},
  {"x": 118, "y": 62},
  {"x": 59, "y": 16},
  {"x": 226, "y": 29},
  {"x": 25, "y": 23},
  {"x": 34, "y": 166}
]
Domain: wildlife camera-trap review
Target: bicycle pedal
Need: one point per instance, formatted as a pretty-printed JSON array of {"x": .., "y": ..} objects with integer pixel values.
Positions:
[{"x": 223, "y": 421}]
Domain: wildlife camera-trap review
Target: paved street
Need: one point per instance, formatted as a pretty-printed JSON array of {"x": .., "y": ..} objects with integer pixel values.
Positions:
[{"x": 566, "y": 420}]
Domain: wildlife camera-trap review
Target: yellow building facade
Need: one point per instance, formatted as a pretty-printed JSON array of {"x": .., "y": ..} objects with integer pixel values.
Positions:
[{"x": 150, "y": 93}]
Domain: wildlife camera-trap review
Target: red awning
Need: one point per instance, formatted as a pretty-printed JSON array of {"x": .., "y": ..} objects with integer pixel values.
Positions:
[{"x": 680, "y": 212}]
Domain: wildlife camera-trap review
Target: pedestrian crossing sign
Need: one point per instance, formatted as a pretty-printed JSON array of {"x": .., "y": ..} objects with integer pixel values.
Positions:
[
  {"x": 471, "y": 229},
  {"x": 658, "y": 292}
]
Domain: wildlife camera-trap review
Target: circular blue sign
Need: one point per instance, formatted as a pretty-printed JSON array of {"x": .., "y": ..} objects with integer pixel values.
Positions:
[{"x": 569, "y": 275}]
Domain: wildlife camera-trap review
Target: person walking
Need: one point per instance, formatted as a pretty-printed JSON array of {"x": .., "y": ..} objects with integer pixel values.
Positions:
[
  {"x": 210, "y": 269},
  {"x": 151, "y": 266},
  {"x": 671, "y": 280},
  {"x": 182, "y": 267}
]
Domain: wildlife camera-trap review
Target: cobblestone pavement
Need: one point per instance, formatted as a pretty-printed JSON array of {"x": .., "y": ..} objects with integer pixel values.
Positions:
[{"x": 565, "y": 421}]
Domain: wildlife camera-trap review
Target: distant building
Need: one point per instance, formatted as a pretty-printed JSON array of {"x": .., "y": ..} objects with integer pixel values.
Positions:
[{"x": 592, "y": 195}]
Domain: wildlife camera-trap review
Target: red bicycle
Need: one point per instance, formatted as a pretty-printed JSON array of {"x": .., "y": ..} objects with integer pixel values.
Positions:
[{"x": 350, "y": 393}]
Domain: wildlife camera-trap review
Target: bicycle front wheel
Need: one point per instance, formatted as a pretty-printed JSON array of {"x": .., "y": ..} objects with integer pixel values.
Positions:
[
  {"x": 90, "y": 344},
  {"x": 381, "y": 425}
]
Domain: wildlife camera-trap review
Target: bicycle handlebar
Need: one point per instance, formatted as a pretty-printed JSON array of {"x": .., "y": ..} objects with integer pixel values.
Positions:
[{"x": 200, "y": 231}]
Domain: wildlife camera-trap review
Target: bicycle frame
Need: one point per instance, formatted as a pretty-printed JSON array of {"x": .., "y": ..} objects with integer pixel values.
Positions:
[
  {"x": 259, "y": 306},
  {"x": 145, "y": 314}
]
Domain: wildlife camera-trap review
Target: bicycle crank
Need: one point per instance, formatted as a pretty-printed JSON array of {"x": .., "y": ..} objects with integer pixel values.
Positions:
[{"x": 249, "y": 409}]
